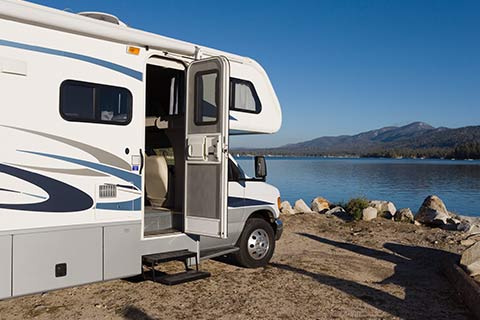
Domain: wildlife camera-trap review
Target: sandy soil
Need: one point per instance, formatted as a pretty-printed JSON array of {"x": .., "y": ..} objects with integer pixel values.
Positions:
[{"x": 323, "y": 268}]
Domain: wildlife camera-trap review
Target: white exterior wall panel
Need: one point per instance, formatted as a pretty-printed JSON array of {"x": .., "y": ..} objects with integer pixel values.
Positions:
[
  {"x": 5, "y": 266},
  {"x": 122, "y": 256},
  {"x": 36, "y": 255}
]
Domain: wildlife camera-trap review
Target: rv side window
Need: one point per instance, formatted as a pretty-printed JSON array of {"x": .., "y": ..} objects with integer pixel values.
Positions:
[
  {"x": 206, "y": 97},
  {"x": 243, "y": 96},
  {"x": 97, "y": 103}
]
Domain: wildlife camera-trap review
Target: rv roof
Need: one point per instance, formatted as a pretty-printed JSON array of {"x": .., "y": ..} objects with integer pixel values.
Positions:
[
  {"x": 61, "y": 20},
  {"x": 102, "y": 16}
]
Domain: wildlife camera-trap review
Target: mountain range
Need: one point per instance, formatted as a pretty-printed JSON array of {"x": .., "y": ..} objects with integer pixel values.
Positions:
[{"x": 417, "y": 139}]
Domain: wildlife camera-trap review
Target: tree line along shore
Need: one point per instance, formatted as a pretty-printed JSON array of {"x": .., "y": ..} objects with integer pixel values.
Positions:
[{"x": 464, "y": 151}]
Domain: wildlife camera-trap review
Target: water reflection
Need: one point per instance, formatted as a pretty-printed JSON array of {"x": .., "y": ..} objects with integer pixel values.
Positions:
[{"x": 405, "y": 182}]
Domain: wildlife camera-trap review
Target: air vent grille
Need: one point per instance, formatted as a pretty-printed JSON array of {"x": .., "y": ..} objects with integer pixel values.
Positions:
[{"x": 107, "y": 191}]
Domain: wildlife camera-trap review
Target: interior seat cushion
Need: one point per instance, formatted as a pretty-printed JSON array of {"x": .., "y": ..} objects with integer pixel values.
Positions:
[{"x": 156, "y": 180}]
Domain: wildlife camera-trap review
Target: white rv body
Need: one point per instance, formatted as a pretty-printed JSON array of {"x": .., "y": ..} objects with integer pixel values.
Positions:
[{"x": 72, "y": 191}]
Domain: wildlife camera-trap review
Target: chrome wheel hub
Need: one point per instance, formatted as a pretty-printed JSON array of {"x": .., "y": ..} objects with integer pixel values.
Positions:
[{"x": 258, "y": 244}]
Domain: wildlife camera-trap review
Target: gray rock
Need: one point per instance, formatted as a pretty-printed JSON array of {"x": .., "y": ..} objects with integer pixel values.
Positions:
[
  {"x": 336, "y": 210},
  {"x": 385, "y": 209},
  {"x": 433, "y": 212},
  {"x": 286, "y": 208},
  {"x": 470, "y": 225},
  {"x": 404, "y": 215},
  {"x": 301, "y": 207},
  {"x": 464, "y": 226},
  {"x": 320, "y": 204},
  {"x": 369, "y": 214},
  {"x": 471, "y": 259}
]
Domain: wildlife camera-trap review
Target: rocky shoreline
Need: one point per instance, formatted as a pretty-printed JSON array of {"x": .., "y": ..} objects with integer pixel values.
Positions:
[
  {"x": 431, "y": 213},
  {"x": 325, "y": 266}
]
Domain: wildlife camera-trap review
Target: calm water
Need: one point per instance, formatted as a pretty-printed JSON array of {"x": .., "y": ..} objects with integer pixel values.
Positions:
[{"x": 404, "y": 182}]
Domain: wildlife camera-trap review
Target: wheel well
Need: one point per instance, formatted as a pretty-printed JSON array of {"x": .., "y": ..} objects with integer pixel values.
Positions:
[{"x": 265, "y": 215}]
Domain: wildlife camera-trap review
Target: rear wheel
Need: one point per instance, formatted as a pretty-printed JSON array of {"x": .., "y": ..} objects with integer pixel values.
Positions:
[{"x": 256, "y": 243}]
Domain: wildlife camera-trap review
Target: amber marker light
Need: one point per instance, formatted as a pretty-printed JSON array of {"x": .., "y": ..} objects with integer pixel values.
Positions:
[
  {"x": 133, "y": 50},
  {"x": 279, "y": 202}
]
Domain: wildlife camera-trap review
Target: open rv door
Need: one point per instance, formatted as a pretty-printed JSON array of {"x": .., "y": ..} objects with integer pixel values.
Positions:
[{"x": 206, "y": 179}]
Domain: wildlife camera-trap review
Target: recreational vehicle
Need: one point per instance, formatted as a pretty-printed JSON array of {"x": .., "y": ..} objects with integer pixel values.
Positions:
[{"x": 115, "y": 152}]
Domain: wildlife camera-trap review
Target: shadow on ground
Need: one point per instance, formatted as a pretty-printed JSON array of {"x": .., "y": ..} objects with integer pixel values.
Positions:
[
  {"x": 134, "y": 313},
  {"x": 417, "y": 270}
]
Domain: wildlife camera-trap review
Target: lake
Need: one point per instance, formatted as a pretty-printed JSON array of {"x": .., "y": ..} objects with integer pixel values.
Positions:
[{"x": 405, "y": 182}]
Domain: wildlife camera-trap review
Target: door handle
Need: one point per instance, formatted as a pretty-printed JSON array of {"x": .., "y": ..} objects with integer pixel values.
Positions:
[
  {"x": 219, "y": 150},
  {"x": 205, "y": 149},
  {"x": 142, "y": 161}
]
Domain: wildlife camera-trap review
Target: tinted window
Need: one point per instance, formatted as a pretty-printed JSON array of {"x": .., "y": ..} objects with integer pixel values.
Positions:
[
  {"x": 234, "y": 173},
  {"x": 90, "y": 102},
  {"x": 243, "y": 96},
  {"x": 206, "y": 97}
]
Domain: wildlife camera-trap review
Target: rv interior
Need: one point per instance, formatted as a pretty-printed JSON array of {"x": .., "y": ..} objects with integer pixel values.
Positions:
[{"x": 164, "y": 147}]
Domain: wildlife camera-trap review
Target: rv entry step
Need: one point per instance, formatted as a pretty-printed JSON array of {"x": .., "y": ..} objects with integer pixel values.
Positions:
[{"x": 152, "y": 260}]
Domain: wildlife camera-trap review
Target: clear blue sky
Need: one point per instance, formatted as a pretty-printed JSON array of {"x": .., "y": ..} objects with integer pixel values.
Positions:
[{"x": 338, "y": 67}]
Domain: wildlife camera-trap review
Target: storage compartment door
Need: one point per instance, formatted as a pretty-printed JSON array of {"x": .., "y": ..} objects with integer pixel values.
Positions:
[
  {"x": 122, "y": 256},
  {"x": 207, "y": 147},
  {"x": 5, "y": 266},
  {"x": 57, "y": 259}
]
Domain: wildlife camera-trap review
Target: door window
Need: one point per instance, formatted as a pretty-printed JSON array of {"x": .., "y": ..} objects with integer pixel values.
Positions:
[{"x": 206, "y": 97}]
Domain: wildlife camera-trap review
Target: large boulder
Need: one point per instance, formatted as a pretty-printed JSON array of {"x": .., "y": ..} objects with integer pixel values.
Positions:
[
  {"x": 433, "y": 212},
  {"x": 301, "y": 207},
  {"x": 286, "y": 208},
  {"x": 320, "y": 204},
  {"x": 471, "y": 259},
  {"x": 385, "y": 209},
  {"x": 404, "y": 215},
  {"x": 369, "y": 214}
]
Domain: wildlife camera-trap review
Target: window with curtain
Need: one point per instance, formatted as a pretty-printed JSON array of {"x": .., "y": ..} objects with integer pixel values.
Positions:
[
  {"x": 97, "y": 103},
  {"x": 243, "y": 96}
]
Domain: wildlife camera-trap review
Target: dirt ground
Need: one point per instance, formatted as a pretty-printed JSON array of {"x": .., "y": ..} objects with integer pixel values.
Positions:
[{"x": 323, "y": 268}]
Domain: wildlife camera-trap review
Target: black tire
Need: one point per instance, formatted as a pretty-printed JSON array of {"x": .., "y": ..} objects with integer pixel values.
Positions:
[{"x": 243, "y": 256}]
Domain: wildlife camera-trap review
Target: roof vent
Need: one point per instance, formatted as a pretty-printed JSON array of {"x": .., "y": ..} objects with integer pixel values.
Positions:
[{"x": 103, "y": 17}]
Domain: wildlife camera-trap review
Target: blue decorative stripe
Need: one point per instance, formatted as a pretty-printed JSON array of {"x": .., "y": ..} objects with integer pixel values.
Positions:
[
  {"x": 236, "y": 202},
  {"x": 62, "y": 197},
  {"x": 103, "y": 63},
  {"x": 230, "y": 117},
  {"x": 132, "y": 205},
  {"x": 133, "y": 178}
]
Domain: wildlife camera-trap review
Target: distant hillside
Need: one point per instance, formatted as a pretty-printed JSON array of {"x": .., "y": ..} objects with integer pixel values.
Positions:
[{"x": 417, "y": 139}]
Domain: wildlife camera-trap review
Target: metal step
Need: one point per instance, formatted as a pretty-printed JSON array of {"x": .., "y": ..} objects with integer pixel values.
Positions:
[
  {"x": 180, "y": 255},
  {"x": 182, "y": 277},
  {"x": 151, "y": 260},
  {"x": 212, "y": 253}
]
